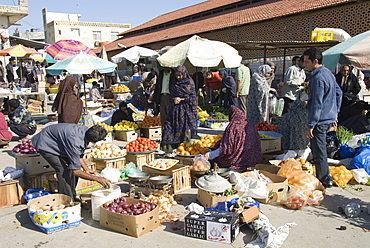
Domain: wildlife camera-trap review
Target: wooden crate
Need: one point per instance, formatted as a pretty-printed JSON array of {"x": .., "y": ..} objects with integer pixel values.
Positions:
[
  {"x": 118, "y": 163},
  {"x": 128, "y": 135},
  {"x": 151, "y": 133},
  {"x": 33, "y": 165},
  {"x": 185, "y": 160},
  {"x": 40, "y": 181},
  {"x": 140, "y": 159},
  {"x": 10, "y": 193},
  {"x": 180, "y": 173}
]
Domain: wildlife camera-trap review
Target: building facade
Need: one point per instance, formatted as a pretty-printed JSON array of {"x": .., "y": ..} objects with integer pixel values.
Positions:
[{"x": 60, "y": 26}]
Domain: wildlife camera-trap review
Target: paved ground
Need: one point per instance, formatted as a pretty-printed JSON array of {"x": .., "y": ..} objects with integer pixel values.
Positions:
[{"x": 316, "y": 226}]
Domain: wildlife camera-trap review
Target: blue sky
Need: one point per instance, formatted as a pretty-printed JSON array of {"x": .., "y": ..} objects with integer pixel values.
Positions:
[{"x": 134, "y": 12}]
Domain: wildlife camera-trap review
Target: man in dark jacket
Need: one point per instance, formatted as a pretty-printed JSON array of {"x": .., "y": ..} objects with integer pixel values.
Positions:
[
  {"x": 349, "y": 84},
  {"x": 161, "y": 95},
  {"x": 10, "y": 70}
]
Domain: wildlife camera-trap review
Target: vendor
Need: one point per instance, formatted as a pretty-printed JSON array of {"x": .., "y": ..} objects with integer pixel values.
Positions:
[
  {"x": 240, "y": 146},
  {"x": 95, "y": 92},
  {"x": 63, "y": 146},
  {"x": 20, "y": 120},
  {"x": 122, "y": 113}
]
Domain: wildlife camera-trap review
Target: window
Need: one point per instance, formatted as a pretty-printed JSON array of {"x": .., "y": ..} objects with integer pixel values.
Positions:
[
  {"x": 114, "y": 35},
  {"x": 96, "y": 35},
  {"x": 59, "y": 32},
  {"x": 75, "y": 31}
]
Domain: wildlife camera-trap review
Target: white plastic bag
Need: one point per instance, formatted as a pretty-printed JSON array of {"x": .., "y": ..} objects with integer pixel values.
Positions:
[
  {"x": 247, "y": 186},
  {"x": 360, "y": 175},
  {"x": 111, "y": 174},
  {"x": 279, "y": 107}
]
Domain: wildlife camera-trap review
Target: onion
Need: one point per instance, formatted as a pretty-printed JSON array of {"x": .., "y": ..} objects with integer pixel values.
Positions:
[
  {"x": 16, "y": 150},
  {"x": 125, "y": 205},
  {"x": 21, "y": 146},
  {"x": 128, "y": 210},
  {"x": 137, "y": 212},
  {"x": 119, "y": 209},
  {"x": 153, "y": 206},
  {"x": 123, "y": 199},
  {"x": 25, "y": 150},
  {"x": 124, "y": 212},
  {"x": 111, "y": 209},
  {"x": 26, "y": 147},
  {"x": 117, "y": 201},
  {"x": 133, "y": 206},
  {"x": 144, "y": 211}
]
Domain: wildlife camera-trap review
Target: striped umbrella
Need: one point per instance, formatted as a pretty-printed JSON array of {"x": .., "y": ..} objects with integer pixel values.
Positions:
[
  {"x": 355, "y": 51},
  {"x": 66, "y": 48},
  {"x": 17, "y": 51}
]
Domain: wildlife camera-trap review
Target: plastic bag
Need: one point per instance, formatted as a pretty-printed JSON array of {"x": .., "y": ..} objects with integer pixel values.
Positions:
[
  {"x": 273, "y": 103},
  {"x": 346, "y": 151},
  {"x": 315, "y": 198},
  {"x": 247, "y": 186},
  {"x": 360, "y": 176},
  {"x": 111, "y": 174},
  {"x": 289, "y": 166},
  {"x": 341, "y": 176},
  {"x": 293, "y": 199},
  {"x": 279, "y": 107},
  {"x": 200, "y": 163},
  {"x": 362, "y": 160},
  {"x": 129, "y": 168},
  {"x": 304, "y": 182}
]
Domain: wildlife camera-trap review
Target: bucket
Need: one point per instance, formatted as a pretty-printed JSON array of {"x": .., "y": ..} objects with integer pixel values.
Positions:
[{"x": 102, "y": 196}]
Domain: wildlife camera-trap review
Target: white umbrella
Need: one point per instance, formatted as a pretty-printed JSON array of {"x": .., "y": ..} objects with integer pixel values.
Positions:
[
  {"x": 201, "y": 53},
  {"x": 133, "y": 54}
]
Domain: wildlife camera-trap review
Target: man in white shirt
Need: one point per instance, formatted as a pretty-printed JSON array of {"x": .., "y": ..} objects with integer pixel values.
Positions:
[{"x": 294, "y": 80}]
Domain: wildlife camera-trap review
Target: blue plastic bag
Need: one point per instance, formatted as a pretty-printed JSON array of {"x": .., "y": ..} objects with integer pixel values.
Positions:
[
  {"x": 362, "y": 160},
  {"x": 346, "y": 151},
  {"x": 34, "y": 193}
]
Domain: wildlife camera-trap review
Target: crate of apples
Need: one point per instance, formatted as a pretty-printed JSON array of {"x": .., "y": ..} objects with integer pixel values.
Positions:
[
  {"x": 141, "y": 145},
  {"x": 125, "y": 125},
  {"x": 150, "y": 121},
  {"x": 121, "y": 88}
]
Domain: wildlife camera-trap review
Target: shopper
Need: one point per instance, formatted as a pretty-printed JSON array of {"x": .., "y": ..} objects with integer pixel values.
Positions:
[
  {"x": 63, "y": 146},
  {"x": 323, "y": 107},
  {"x": 67, "y": 103},
  {"x": 240, "y": 146},
  {"x": 243, "y": 79},
  {"x": 181, "y": 119},
  {"x": 228, "y": 87},
  {"x": 123, "y": 113},
  {"x": 5, "y": 134},
  {"x": 20, "y": 120}
]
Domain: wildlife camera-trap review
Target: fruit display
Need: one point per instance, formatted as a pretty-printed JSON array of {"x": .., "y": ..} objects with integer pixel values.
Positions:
[
  {"x": 198, "y": 146},
  {"x": 106, "y": 126},
  {"x": 141, "y": 145},
  {"x": 105, "y": 150},
  {"x": 162, "y": 164},
  {"x": 164, "y": 203},
  {"x": 125, "y": 125},
  {"x": 265, "y": 126},
  {"x": 264, "y": 136},
  {"x": 120, "y": 206},
  {"x": 25, "y": 148},
  {"x": 121, "y": 88},
  {"x": 150, "y": 121},
  {"x": 341, "y": 176}
]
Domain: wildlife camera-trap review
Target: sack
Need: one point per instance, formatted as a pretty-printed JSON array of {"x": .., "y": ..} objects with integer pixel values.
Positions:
[
  {"x": 293, "y": 199},
  {"x": 362, "y": 160}
]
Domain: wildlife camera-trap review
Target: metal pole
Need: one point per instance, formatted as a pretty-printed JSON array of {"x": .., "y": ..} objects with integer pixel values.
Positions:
[
  {"x": 264, "y": 54},
  {"x": 284, "y": 54}
]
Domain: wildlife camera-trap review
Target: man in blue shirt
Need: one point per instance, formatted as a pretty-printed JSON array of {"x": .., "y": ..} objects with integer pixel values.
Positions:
[
  {"x": 323, "y": 106},
  {"x": 63, "y": 146}
]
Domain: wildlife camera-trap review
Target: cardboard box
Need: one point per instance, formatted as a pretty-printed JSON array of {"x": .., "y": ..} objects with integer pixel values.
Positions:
[
  {"x": 84, "y": 186},
  {"x": 33, "y": 165},
  {"x": 270, "y": 145},
  {"x": 133, "y": 225},
  {"x": 52, "y": 221},
  {"x": 267, "y": 167},
  {"x": 151, "y": 133},
  {"x": 249, "y": 214},
  {"x": 10, "y": 193},
  {"x": 276, "y": 189},
  {"x": 128, "y": 135},
  {"x": 213, "y": 225},
  {"x": 208, "y": 199}
]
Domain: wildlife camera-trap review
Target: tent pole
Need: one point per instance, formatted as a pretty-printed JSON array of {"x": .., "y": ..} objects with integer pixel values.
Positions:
[{"x": 284, "y": 54}]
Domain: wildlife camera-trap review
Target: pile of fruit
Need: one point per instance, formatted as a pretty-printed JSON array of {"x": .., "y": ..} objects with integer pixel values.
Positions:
[
  {"x": 265, "y": 126},
  {"x": 264, "y": 136},
  {"x": 191, "y": 149},
  {"x": 105, "y": 150},
  {"x": 24, "y": 148},
  {"x": 150, "y": 121},
  {"x": 121, "y": 88},
  {"x": 120, "y": 206},
  {"x": 162, "y": 164},
  {"x": 141, "y": 145},
  {"x": 341, "y": 176},
  {"x": 125, "y": 125},
  {"x": 294, "y": 202},
  {"x": 200, "y": 166},
  {"x": 164, "y": 203},
  {"x": 106, "y": 127}
]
